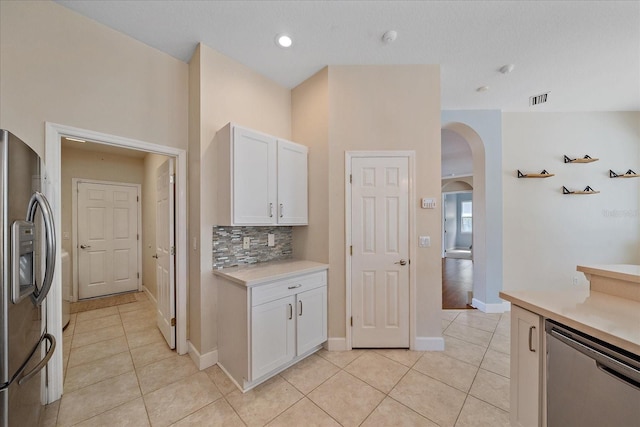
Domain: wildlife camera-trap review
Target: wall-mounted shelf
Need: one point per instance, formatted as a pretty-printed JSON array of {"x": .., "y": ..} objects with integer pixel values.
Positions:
[
  {"x": 587, "y": 190},
  {"x": 543, "y": 174},
  {"x": 627, "y": 174},
  {"x": 585, "y": 159}
]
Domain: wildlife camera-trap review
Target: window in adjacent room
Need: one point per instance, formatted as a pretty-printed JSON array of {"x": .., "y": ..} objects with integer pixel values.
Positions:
[{"x": 466, "y": 215}]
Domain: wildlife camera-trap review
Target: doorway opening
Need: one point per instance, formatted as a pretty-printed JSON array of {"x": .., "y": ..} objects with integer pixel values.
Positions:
[
  {"x": 463, "y": 221},
  {"x": 153, "y": 155},
  {"x": 457, "y": 246}
]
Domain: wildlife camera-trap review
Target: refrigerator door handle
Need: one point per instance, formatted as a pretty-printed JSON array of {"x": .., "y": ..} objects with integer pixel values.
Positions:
[
  {"x": 52, "y": 341},
  {"x": 38, "y": 199}
]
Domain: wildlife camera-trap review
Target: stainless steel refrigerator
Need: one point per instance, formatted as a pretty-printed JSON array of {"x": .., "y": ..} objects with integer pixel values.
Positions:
[{"x": 27, "y": 250}]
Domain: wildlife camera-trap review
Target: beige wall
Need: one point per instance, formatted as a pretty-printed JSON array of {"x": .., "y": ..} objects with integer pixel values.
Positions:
[
  {"x": 547, "y": 234},
  {"x": 94, "y": 166},
  {"x": 149, "y": 186},
  {"x": 310, "y": 126},
  {"x": 58, "y": 66},
  {"x": 226, "y": 91},
  {"x": 372, "y": 108}
]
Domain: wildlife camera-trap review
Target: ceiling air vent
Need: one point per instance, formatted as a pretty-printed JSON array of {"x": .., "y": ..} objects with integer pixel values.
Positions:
[{"x": 538, "y": 99}]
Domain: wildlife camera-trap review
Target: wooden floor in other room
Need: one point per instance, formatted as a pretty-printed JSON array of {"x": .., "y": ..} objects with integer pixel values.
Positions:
[{"x": 457, "y": 282}]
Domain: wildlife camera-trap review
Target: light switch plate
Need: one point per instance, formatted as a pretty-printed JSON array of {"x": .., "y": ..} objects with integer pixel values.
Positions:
[
  {"x": 424, "y": 241},
  {"x": 271, "y": 239}
]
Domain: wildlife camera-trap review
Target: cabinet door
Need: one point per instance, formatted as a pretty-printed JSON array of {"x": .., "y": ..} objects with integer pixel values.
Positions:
[
  {"x": 272, "y": 335},
  {"x": 292, "y": 183},
  {"x": 254, "y": 177},
  {"x": 311, "y": 314},
  {"x": 526, "y": 368}
]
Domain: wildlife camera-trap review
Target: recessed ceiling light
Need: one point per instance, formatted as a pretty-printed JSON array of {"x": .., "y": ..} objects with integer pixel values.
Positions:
[
  {"x": 75, "y": 139},
  {"x": 506, "y": 69},
  {"x": 284, "y": 40},
  {"x": 482, "y": 89}
]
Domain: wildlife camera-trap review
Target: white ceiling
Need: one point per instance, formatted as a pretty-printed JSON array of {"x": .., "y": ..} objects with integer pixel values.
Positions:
[{"x": 585, "y": 53}]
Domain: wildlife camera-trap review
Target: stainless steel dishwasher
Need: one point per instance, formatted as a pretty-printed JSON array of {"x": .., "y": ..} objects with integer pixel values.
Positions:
[{"x": 590, "y": 383}]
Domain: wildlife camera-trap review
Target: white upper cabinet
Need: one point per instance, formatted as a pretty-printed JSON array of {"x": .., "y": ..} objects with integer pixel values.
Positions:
[
  {"x": 262, "y": 180},
  {"x": 292, "y": 183}
]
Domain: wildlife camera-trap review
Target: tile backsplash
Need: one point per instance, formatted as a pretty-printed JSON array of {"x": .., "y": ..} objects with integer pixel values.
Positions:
[{"x": 228, "y": 251}]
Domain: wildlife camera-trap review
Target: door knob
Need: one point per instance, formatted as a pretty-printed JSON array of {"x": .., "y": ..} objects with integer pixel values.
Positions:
[
  {"x": 401, "y": 262},
  {"x": 84, "y": 246},
  {"x": 154, "y": 256}
]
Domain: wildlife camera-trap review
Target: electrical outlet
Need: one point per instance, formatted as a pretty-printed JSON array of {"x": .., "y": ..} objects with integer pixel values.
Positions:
[
  {"x": 575, "y": 280},
  {"x": 246, "y": 243},
  {"x": 424, "y": 241},
  {"x": 271, "y": 239}
]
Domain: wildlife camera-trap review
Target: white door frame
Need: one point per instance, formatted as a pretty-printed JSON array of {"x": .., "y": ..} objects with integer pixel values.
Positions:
[
  {"x": 52, "y": 188},
  {"x": 74, "y": 224},
  {"x": 410, "y": 156}
]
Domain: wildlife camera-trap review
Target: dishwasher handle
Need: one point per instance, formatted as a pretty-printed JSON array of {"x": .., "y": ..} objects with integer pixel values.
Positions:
[{"x": 620, "y": 370}]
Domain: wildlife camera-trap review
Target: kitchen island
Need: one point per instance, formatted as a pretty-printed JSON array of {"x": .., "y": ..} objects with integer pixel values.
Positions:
[{"x": 608, "y": 310}]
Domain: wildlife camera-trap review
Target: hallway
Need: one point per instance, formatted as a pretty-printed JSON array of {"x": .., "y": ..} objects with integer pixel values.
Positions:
[{"x": 457, "y": 282}]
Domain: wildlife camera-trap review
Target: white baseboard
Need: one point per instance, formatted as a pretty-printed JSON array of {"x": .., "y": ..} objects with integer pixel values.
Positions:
[
  {"x": 490, "y": 308},
  {"x": 336, "y": 344},
  {"x": 202, "y": 361},
  {"x": 150, "y": 295},
  {"x": 429, "y": 344}
]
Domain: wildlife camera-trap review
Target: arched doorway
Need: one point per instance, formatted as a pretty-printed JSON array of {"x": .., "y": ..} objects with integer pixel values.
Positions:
[{"x": 464, "y": 151}]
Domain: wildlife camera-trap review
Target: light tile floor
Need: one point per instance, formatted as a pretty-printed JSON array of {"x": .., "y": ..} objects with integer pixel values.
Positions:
[{"x": 120, "y": 372}]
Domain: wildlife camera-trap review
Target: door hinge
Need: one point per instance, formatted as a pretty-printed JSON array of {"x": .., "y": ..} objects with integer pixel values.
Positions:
[
  {"x": 137, "y": 236},
  {"x": 173, "y": 250},
  {"x": 138, "y": 275},
  {"x": 351, "y": 320},
  {"x": 137, "y": 198},
  {"x": 172, "y": 179},
  {"x": 350, "y": 179},
  {"x": 173, "y": 321},
  {"x": 351, "y": 250}
]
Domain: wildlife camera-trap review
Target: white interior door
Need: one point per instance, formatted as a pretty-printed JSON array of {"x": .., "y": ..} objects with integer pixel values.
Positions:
[
  {"x": 380, "y": 260},
  {"x": 165, "y": 252},
  {"x": 107, "y": 231}
]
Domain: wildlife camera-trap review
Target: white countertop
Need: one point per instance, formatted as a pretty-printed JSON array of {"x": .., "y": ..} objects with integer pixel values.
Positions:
[
  {"x": 612, "y": 319},
  {"x": 255, "y": 274},
  {"x": 626, "y": 272}
]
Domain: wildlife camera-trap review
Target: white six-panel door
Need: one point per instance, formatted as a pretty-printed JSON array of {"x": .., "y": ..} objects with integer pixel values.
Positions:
[
  {"x": 380, "y": 260},
  {"x": 165, "y": 252},
  {"x": 107, "y": 235}
]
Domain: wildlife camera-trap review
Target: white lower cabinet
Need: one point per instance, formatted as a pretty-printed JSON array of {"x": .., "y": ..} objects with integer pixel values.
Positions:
[
  {"x": 273, "y": 336},
  {"x": 268, "y": 327},
  {"x": 527, "y": 356}
]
